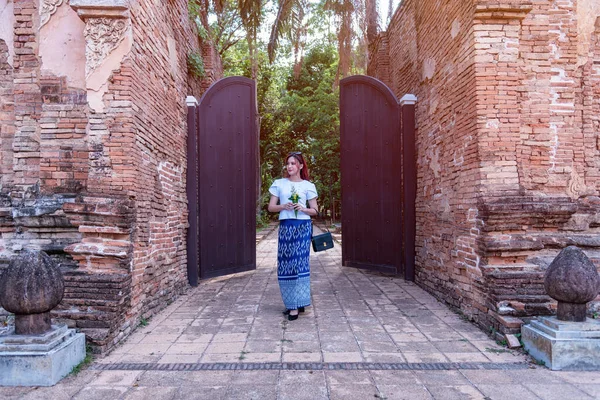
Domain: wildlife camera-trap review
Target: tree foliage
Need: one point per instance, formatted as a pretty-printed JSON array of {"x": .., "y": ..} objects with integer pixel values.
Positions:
[
  {"x": 217, "y": 22},
  {"x": 300, "y": 113},
  {"x": 316, "y": 44}
]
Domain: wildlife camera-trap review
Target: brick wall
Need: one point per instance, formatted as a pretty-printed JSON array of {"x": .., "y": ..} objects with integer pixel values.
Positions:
[
  {"x": 507, "y": 146},
  {"x": 159, "y": 253},
  {"x": 379, "y": 62},
  {"x": 93, "y": 173},
  {"x": 7, "y": 131},
  {"x": 429, "y": 55}
]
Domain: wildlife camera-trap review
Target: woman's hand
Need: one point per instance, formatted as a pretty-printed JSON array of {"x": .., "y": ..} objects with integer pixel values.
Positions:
[
  {"x": 289, "y": 206},
  {"x": 305, "y": 210}
]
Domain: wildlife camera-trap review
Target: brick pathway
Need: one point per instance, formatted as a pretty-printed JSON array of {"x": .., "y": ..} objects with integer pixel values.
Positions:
[{"x": 368, "y": 336}]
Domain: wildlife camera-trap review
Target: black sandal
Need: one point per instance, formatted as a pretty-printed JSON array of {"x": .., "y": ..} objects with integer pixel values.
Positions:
[
  {"x": 287, "y": 312},
  {"x": 292, "y": 317}
]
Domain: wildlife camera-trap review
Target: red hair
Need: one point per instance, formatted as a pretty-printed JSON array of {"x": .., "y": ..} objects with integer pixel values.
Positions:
[{"x": 304, "y": 173}]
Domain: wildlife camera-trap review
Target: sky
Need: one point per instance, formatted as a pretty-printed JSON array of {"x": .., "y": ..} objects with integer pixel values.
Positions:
[
  {"x": 265, "y": 28},
  {"x": 383, "y": 11},
  {"x": 382, "y": 8}
]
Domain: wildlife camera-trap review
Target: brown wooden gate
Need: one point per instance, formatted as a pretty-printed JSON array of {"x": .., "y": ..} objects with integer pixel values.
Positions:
[
  {"x": 378, "y": 178},
  {"x": 222, "y": 180}
]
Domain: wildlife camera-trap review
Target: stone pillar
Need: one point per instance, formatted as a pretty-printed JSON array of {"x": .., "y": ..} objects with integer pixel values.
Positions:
[
  {"x": 496, "y": 28},
  {"x": 38, "y": 353},
  {"x": 193, "y": 255},
  {"x": 573, "y": 281},
  {"x": 31, "y": 287},
  {"x": 409, "y": 182},
  {"x": 108, "y": 37},
  {"x": 28, "y": 101},
  {"x": 7, "y": 111},
  {"x": 591, "y": 114},
  {"x": 567, "y": 341}
]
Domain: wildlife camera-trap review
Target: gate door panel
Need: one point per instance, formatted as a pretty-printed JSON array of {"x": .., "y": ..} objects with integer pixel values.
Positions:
[
  {"x": 227, "y": 170},
  {"x": 370, "y": 175}
]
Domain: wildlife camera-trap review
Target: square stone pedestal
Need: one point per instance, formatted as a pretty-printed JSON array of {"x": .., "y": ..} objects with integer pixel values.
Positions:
[
  {"x": 563, "y": 345},
  {"x": 40, "y": 360}
]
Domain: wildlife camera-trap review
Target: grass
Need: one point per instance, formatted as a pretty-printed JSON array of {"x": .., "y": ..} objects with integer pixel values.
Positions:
[
  {"x": 243, "y": 355},
  {"x": 144, "y": 322},
  {"x": 262, "y": 221},
  {"x": 89, "y": 357},
  {"x": 540, "y": 362},
  {"x": 496, "y": 351},
  {"x": 518, "y": 336},
  {"x": 463, "y": 316}
]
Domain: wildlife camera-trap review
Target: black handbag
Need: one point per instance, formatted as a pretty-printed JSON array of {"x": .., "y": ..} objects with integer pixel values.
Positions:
[{"x": 321, "y": 242}]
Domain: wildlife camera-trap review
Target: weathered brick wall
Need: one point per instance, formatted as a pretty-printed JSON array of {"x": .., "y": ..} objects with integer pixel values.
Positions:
[
  {"x": 7, "y": 131},
  {"x": 159, "y": 253},
  {"x": 28, "y": 211},
  {"x": 430, "y": 54},
  {"x": 379, "y": 61},
  {"x": 94, "y": 153},
  {"x": 507, "y": 145},
  {"x": 540, "y": 187}
]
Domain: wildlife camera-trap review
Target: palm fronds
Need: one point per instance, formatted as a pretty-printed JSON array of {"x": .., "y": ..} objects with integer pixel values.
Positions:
[{"x": 289, "y": 22}]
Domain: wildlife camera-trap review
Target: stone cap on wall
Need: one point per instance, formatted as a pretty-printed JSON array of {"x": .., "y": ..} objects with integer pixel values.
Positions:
[
  {"x": 191, "y": 101},
  {"x": 408, "y": 99},
  {"x": 101, "y": 8},
  {"x": 494, "y": 9}
]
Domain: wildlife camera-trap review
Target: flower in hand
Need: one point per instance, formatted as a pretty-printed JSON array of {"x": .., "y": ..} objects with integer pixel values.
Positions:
[{"x": 294, "y": 199}]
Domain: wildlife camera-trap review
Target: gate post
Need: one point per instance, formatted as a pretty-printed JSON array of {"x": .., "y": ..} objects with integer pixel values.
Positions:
[
  {"x": 192, "y": 190},
  {"x": 409, "y": 183}
]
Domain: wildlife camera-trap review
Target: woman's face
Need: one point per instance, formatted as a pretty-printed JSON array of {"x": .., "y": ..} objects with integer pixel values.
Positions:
[{"x": 293, "y": 166}]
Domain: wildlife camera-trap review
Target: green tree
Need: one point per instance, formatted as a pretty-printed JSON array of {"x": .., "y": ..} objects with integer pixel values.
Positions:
[
  {"x": 298, "y": 93},
  {"x": 309, "y": 121},
  {"x": 224, "y": 29}
]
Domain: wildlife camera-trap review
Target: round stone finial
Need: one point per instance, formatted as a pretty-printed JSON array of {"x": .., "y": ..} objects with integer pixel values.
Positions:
[
  {"x": 31, "y": 287},
  {"x": 572, "y": 279}
]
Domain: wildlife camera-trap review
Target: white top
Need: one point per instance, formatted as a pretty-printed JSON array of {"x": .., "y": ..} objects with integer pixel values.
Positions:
[{"x": 283, "y": 188}]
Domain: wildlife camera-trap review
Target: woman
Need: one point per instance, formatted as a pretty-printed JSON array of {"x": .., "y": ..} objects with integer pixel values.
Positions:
[{"x": 297, "y": 198}]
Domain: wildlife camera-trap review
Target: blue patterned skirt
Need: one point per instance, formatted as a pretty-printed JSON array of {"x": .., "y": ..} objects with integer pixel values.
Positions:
[{"x": 293, "y": 268}]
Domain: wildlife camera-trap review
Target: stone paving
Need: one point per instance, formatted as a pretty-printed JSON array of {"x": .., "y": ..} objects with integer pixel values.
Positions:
[{"x": 367, "y": 336}]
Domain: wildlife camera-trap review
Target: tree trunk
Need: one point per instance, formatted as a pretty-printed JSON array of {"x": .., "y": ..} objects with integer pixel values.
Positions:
[
  {"x": 332, "y": 210},
  {"x": 371, "y": 11},
  {"x": 251, "y": 38},
  {"x": 345, "y": 42}
]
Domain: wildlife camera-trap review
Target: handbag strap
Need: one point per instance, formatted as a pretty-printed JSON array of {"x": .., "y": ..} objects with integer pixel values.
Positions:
[{"x": 317, "y": 216}]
